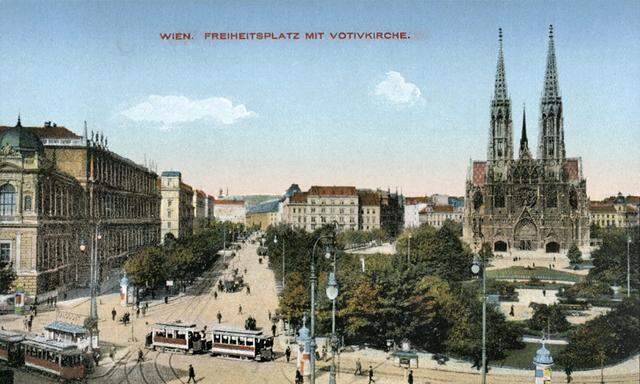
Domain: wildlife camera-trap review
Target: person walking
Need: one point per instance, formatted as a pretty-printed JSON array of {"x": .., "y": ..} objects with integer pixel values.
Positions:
[
  {"x": 140, "y": 356},
  {"x": 192, "y": 374},
  {"x": 287, "y": 353},
  {"x": 248, "y": 290},
  {"x": 512, "y": 312},
  {"x": 219, "y": 316},
  {"x": 358, "y": 370},
  {"x": 371, "y": 380},
  {"x": 138, "y": 312},
  {"x": 273, "y": 330},
  {"x": 298, "y": 377},
  {"x": 113, "y": 314},
  {"x": 269, "y": 314},
  {"x": 410, "y": 377},
  {"x": 215, "y": 295},
  {"x": 240, "y": 309}
]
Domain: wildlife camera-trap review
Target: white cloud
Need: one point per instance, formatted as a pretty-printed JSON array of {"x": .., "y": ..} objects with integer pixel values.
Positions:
[
  {"x": 172, "y": 110},
  {"x": 396, "y": 90}
]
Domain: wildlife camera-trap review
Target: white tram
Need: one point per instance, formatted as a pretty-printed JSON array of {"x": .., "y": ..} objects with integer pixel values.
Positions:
[
  {"x": 177, "y": 336},
  {"x": 242, "y": 343},
  {"x": 11, "y": 347}
]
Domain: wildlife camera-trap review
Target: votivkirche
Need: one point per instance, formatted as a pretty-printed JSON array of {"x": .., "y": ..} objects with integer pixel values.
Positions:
[{"x": 527, "y": 203}]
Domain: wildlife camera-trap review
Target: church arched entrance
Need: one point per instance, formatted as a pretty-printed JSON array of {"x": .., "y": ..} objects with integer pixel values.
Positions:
[
  {"x": 552, "y": 247},
  {"x": 500, "y": 246},
  {"x": 525, "y": 235}
]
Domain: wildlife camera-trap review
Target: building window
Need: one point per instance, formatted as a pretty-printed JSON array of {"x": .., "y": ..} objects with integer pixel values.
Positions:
[
  {"x": 5, "y": 252},
  {"x": 27, "y": 203},
  {"x": 7, "y": 200}
]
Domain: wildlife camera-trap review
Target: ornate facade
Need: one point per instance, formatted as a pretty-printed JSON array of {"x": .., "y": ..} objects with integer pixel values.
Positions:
[
  {"x": 58, "y": 188},
  {"x": 527, "y": 203},
  {"x": 177, "y": 209}
]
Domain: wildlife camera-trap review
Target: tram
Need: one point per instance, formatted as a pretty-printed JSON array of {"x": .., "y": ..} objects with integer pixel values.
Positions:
[
  {"x": 60, "y": 359},
  {"x": 241, "y": 343},
  {"x": 11, "y": 347},
  {"x": 178, "y": 336}
]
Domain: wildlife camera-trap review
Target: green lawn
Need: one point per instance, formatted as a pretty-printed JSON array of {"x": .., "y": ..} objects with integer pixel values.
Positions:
[
  {"x": 523, "y": 358},
  {"x": 537, "y": 272}
]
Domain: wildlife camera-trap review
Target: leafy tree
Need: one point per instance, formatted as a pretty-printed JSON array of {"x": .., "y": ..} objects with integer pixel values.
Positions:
[
  {"x": 615, "y": 335},
  {"x": 574, "y": 255},
  {"x": 610, "y": 260},
  {"x": 548, "y": 317},
  {"x": 294, "y": 302},
  {"x": 183, "y": 265},
  {"x": 7, "y": 276},
  {"x": 361, "y": 312},
  {"x": 250, "y": 323},
  {"x": 146, "y": 267}
]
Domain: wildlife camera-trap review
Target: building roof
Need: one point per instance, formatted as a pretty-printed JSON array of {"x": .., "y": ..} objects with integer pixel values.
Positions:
[
  {"x": 58, "y": 345},
  {"x": 318, "y": 190},
  {"x": 416, "y": 200},
  {"x": 49, "y": 131},
  {"x": 62, "y": 326},
  {"x": 228, "y": 202},
  {"x": 171, "y": 174},
  {"x": 292, "y": 189},
  {"x": 20, "y": 138},
  {"x": 598, "y": 207},
  {"x": 298, "y": 197},
  {"x": 479, "y": 174},
  {"x": 368, "y": 198}
]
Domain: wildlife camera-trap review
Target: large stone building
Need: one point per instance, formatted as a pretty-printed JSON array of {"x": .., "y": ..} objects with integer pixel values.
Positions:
[
  {"x": 527, "y": 203},
  {"x": 176, "y": 210},
  {"x": 412, "y": 208},
  {"x": 436, "y": 215},
  {"x": 230, "y": 210},
  {"x": 58, "y": 189},
  {"x": 200, "y": 219},
  {"x": 350, "y": 208},
  {"x": 615, "y": 212}
]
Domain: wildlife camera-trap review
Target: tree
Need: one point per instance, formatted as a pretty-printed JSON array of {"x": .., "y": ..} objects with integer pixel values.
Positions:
[
  {"x": 294, "y": 302},
  {"x": 615, "y": 334},
  {"x": 182, "y": 264},
  {"x": 361, "y": 312},
  {"x": 250, "y": 323},
  {"x": 548, "y": 317},
  {"x": 574, "y": 255},
  {"x": 610, "y": 260},
  {"x": 7, "y": 276},
  {"x": 146, "y": 267}
]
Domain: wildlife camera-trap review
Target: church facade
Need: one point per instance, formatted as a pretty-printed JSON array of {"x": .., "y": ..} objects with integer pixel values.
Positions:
[{"x": 527, "y": 203}]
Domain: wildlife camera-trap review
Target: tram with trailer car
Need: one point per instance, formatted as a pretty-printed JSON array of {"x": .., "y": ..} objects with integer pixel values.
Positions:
[
  {"x": 178, "y": 336},
  {"x": 59, "y": 359},
  {"x": 241, "y": 343},
  {"x": 11, "y": 347}
]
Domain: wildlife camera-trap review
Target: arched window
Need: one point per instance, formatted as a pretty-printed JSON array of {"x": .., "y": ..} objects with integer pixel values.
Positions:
[{"x": 7, "y": 200}]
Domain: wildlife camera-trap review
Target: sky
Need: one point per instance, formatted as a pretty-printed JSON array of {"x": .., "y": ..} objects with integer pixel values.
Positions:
[{"x": 255, "y": 116}]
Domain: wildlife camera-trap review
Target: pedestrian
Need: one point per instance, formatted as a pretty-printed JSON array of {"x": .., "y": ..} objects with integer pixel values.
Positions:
[
  {"x": 245, "y": 271},
  {"x": 166, "y": 299},
  {"x": 146, "y": 305},
  {"x": 410, "y": 377},
  {"x": 511, "y": 312},
  {"x": 113, "y": 314},
  {"x": 358, "y": 370},
  {"x": 35, "y": 310},
  {"x": 112, "y": 353},
  {"x": 140, "y": 356},
  {"x": 371, "y": 380},
  {"x": 144, "y": 311},
  {"x": 192, "y": 374},
  {"x": 287, "y": 353},
  {"x": 298, "y": 377},
  {"x": 544, "y": 292},
  {"x": 64, "y": 297},
  {"x": 273, "y": 330},
  {"x": 240, "y": 309},
  {"x": 269, "y": 315},
  {"x": 29, "y": 324},
  {"x": 137, "y": 312},
  {"x": 219, "y": 316},
  {"x": 248, "y": 290},
  {"x": 215, "y": 295}
]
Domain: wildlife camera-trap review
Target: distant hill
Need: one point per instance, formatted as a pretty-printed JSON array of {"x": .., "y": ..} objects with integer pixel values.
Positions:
[{"x": 252, "y": 200}]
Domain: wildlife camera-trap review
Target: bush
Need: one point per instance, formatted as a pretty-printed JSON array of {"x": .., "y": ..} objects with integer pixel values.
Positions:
[{"x": 574, "y": 255}]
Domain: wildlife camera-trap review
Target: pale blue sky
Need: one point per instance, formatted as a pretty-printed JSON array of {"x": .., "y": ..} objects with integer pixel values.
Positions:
[{"x": 316, "y": 118}]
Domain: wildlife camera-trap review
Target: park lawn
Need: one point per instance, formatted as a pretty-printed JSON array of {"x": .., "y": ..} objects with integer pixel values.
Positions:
[
  {"x": 541, "y": 273},
  {"x": 523, "y": 358}
]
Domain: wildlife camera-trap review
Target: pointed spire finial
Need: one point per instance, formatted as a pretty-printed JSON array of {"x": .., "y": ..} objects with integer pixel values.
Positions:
[
  {"x": 500, "y": 91},
  {"x": 19, "y": 123},
  {"x": 551, "y": 91},
  {"x": 524, "y": 142}
]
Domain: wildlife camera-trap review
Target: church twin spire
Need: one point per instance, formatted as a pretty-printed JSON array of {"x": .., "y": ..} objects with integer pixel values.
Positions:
[{"x": 551, "y": 135}]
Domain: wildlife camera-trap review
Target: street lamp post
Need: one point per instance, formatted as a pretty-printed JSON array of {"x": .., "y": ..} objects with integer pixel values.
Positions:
[
  {"x": 332, "y": 294},
  {"x": 312, "y": 331},
  {"x": 479, "y": 264},
  {"x": 628, "y": 267},
  {"x": 275, "y": 241}
]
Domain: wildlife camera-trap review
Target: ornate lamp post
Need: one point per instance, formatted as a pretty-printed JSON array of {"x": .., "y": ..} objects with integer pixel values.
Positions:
[
  {"x": 628, "y": 267},
  {"x": 312, "y": 360},
  {"x": 275, "y": 241},
  {"x": 480, "y": 264},
  {"x": 332, "y": 294}
]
